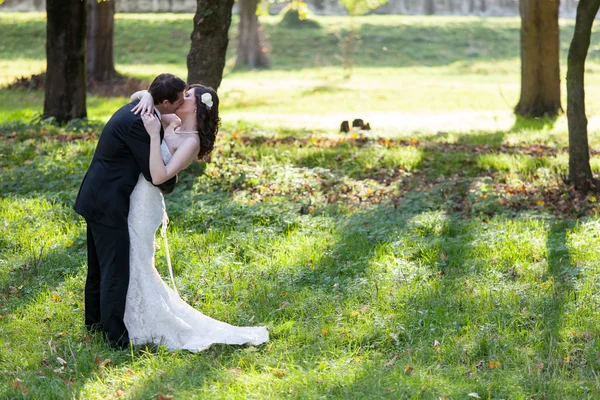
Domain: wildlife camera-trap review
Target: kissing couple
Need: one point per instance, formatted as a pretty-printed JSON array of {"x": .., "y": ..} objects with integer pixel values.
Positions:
[{"x": 142, "y": 148}]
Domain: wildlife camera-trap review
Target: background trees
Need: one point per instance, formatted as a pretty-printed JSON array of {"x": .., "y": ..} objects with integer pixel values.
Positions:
[
  {"x": 252, "y": 51},
  {"x": 65, "y": 87},
  {"x": 580, "y": 173},
  {"x": 210, "y": 38},
  {"x": 100, "y": 33},
  {"x": 540, "y": 69}
]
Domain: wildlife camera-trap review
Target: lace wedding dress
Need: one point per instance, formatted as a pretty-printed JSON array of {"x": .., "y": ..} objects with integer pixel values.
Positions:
[{"x": 154, "y": 313}]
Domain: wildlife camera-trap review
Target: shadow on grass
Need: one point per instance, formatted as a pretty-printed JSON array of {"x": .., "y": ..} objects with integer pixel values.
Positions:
[{"x": 533, "y": 124}]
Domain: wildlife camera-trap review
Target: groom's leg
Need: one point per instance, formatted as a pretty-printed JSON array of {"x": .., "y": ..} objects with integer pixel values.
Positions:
[
  {"x": 92, "y": 286},
  {"x": 112, "y": 247}
]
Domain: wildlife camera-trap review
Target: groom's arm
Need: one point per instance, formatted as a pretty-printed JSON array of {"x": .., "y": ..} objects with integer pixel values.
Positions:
[{"x": 138, "y": 141}]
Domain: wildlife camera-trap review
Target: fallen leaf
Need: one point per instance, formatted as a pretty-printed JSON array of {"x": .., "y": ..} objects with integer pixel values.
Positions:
[
  {"x": 325, "y": 332},
  {"x": 408, "y": 370},
  {"x": 475, "y": 395},
  {"x": 494, "y": 364},
  {"x": 129, "y": 372},
  {"x": 280, "y": 373},
  {"x": 392, "y": 361},
  {"x": 436, "y": 343},
  {"x": 163, "y": 396},
  {"x": 18, "y": 385},
  {"x": 120, "y": 393},
  {"x": 102, "y": 363},
  {"x": 540, "y": 366},
  {"x": 61, "y": 361}
]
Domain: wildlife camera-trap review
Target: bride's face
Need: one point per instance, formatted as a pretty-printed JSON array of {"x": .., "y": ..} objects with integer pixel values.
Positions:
[{"x": 189, "y": 105}]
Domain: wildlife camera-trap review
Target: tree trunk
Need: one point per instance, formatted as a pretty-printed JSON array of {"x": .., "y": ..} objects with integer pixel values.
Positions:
[
  {"x": 429, "y": 7},
  {"x": 65, "y": 54},
  {"x": 580, "y": 173},
  {"x": 210, "y": 38},
  {"x": 251, "y": 49},
  {"x": 540, "y": 69},
  {"x": 101, "y": 22}
]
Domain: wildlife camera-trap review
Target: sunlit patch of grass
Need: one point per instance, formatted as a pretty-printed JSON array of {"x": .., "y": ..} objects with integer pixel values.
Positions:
[{"x": 12, "y": 69}]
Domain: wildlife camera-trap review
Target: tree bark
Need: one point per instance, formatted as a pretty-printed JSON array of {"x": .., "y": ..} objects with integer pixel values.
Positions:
[
  {"x": 429, "y": 7},
  {"x": 65, "y": 88},
  {"x": 210, "y": 37},
  {"x": 100, "y": 32},
  {"x": 540, "y": 69},
  {"x": 580, "y": 173},
  {"x": 252, "y": 51}
]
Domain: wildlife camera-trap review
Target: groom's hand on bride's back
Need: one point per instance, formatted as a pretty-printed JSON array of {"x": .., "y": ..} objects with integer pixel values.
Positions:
[{"x": 168, "y": 186}]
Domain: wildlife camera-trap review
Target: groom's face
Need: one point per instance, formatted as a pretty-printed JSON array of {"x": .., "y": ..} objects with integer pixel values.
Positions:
[{"x": 170, "y": 108}]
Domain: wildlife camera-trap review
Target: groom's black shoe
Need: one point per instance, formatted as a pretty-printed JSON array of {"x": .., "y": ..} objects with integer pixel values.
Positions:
[
  {"x": 93, "y": 328},
  {"x": 118, "y": 345},
  {"x": 121, "y": 344}
]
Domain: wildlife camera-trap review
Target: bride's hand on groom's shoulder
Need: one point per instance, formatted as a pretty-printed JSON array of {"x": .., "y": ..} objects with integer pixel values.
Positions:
[
  {"x": 152, "y": 124},
  {"x": 146, "y": 104}
]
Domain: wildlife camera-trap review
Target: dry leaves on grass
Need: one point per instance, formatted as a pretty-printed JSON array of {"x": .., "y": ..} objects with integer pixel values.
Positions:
[{"x": 18, "y": 385}]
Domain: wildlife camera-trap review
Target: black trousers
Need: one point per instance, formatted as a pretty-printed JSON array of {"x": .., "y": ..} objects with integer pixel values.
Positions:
[{"x": 107, "y": 281}]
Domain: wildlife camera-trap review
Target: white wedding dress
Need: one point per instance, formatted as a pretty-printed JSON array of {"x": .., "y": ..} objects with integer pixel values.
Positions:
[{"x": 154, "y": 313}]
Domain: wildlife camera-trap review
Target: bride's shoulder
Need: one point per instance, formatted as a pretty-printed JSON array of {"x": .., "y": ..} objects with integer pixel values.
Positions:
[{"x": 170, "y": 121}]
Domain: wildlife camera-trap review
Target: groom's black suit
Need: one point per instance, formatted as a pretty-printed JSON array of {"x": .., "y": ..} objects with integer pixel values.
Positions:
[{"x": 123, "y": 152}]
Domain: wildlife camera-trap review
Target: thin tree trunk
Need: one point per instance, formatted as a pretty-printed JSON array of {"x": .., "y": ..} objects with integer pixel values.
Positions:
[
  {"x": 540, "y": 69},
  {"x": 100, "y": 32},
  {"x": 65, "y": 88},
  {"x": 580, "y": 173},
  {"x": 252, "y": 51},
  {"x": 429, "y": 7},
  {"x": 206, "y": 59}
]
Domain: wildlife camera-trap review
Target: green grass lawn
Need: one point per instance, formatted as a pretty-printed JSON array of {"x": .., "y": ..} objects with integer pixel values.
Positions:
[{"x": 395, "y": 263}]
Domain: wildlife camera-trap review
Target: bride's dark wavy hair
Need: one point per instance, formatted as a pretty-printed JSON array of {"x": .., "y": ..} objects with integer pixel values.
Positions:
[{"x": 207, "y": 118}]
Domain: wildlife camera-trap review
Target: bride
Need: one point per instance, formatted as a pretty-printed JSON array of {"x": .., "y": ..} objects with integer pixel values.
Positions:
[{"x": 154, "y": 313}]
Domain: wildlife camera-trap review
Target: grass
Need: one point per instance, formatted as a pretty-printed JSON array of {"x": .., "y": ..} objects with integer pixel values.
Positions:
[{"x": 394, "y": 263}]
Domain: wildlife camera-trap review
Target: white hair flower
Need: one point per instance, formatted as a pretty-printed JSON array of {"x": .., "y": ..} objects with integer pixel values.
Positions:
[{"x": 206, "y": 98}]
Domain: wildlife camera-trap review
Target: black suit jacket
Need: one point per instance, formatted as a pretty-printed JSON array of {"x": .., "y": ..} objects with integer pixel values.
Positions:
[{"x": 123, "y": 152}]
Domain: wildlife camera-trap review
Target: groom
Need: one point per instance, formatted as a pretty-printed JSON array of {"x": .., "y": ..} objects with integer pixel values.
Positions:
[{"x": 122, "y": 153}]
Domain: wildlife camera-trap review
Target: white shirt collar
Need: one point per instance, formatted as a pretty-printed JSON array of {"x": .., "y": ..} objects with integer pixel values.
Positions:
[{"x": 158, "y": 113}]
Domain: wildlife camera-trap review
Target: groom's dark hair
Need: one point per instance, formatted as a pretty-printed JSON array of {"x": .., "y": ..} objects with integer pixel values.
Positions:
[{"x": 166, "y": 87}]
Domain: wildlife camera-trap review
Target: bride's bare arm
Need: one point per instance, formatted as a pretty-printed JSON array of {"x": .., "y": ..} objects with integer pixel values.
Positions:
[
  {"x": 138, "y": 95},
  {"x": 186, "y": 153},
  {"x": 146, "y": 104}
]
